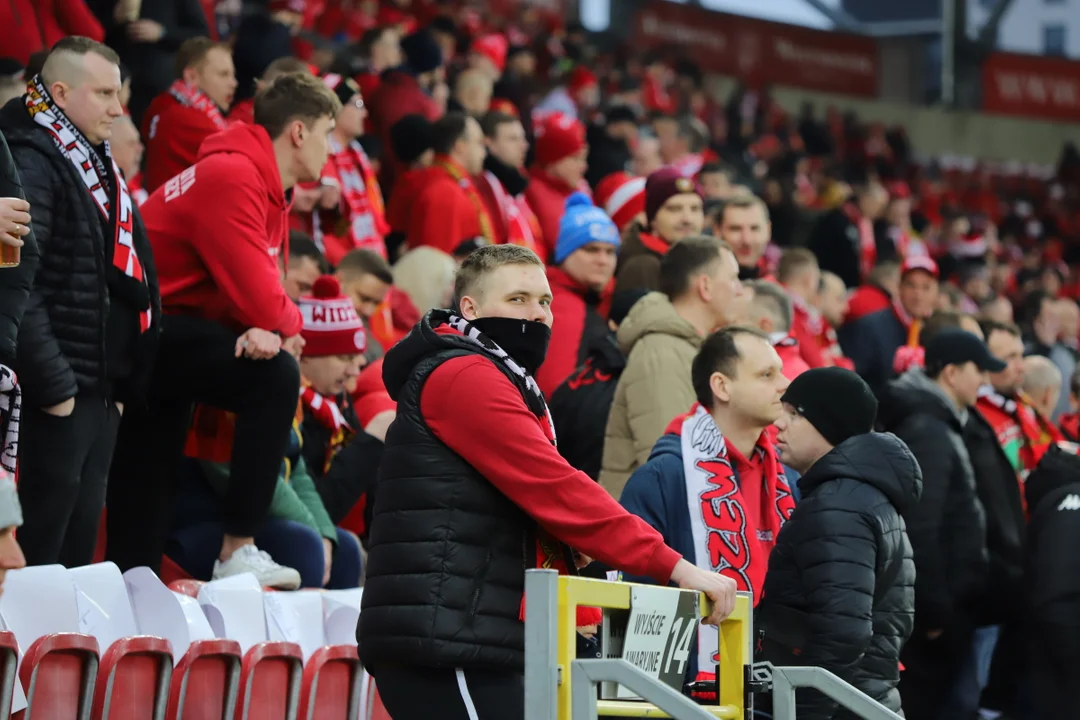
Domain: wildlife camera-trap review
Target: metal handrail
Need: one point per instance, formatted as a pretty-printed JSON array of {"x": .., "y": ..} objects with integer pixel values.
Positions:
[
  {"x": 786, "y": 679},
  {"x": 587, "y": 673}
]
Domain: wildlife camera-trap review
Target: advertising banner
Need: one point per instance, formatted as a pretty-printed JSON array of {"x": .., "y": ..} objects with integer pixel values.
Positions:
[{"x": 1033, "y": 86}]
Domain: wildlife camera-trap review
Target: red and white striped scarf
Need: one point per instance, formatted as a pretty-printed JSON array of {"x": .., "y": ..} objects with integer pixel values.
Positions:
[
  {"x": 362, "y": 210},
  {"x": 116, "y": 207},
  {"x": 195, "y": 98},
  {"x": 517, "y": 215}
]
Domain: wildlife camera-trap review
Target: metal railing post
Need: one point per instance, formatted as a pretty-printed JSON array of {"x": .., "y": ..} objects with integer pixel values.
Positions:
[
  {"x": 583, "y": 701},
  {"x": 541, "y": 644},
  {"x": 783, "y": 697}
]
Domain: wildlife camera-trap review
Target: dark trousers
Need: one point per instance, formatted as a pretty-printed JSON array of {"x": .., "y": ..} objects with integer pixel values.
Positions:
[
  {"x": 1055, "y": 669},
  {"x": 931, "y": 668},
  {"x": 420, "y": 693},
  {"x": 63, "y": 470},
  {"x": 197, "y": 363},
  {"x": 290, "y": 543}
]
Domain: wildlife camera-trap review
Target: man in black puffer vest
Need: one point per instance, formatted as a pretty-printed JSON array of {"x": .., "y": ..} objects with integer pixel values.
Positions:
[
  {"x": 472, "y": 492},
  {"x": 88, "y": 337},
  {"x": 840, "y": 589}
]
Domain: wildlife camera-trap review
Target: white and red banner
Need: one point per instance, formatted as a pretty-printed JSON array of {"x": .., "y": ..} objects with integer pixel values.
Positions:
[
  {"x": 1033, "y": 86},
  {"x": 761, "y": 52}
]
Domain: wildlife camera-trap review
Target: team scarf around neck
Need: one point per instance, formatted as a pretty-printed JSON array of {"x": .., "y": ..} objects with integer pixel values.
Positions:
[
  {"x": 911, "y": 353},
  {"x": 198, "y": 100},
  {"x": 466, "y": 184},
  {"x": 550, "y": 554},
  {"x": 1038, "y": 432},
  {"x": 516, "y": 215},
  {"x": 326, "y": 411},
  {"x": 812, "y": 316},
  {"x": 726, "y": 539},
  {"x": 10, "y": 414},
  {"x": 364, "y": 218},
  {"x": 115, "y": 207}
]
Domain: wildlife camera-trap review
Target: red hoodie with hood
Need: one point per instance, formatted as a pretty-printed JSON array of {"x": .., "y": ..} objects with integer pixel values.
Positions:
[{"x": 217, "y": 230}]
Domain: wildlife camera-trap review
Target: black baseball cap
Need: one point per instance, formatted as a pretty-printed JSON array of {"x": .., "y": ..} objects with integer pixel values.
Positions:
[{"x": 957, "y": 347}]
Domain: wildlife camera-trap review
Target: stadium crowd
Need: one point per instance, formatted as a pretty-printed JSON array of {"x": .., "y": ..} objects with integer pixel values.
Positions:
[{"x": 257, "y": 318}]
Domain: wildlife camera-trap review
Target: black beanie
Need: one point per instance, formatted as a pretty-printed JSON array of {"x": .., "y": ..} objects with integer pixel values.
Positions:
[
  {"x": 836, "y": 401},
  {"x": 410, "y": 137},
  {"x": 422, "y": 52}
]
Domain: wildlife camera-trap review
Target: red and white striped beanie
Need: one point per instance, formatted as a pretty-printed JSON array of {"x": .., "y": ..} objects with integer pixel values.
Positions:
[{"x": 622, "y": 197}]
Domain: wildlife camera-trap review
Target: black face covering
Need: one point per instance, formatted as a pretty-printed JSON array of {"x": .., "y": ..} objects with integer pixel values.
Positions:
[{"x": 526, "y": 341}]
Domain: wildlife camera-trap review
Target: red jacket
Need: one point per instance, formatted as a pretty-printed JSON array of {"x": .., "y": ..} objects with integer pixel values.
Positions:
[
  {"x": 791, "y": 356},
  {"x": 399, "y": 208},
  {"x": 398, "y": 95},
  {"x": 865, "y": 300},
  {"x": 173, "y": 134},
  {"x": 443, "y": 215},
  {"x": 217, "y": 231},
  {"x": 243, "y": 111},
  {"x": 570, "y": 306},
  {"x": 547, "y": 198},
  {"x": 806, "y": 330},
  {"x": 27, "y": 26}
]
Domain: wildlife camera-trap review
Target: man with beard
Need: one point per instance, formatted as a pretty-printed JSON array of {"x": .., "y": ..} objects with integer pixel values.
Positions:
[
  {"x": 193, "y": 109},
  {"x": 721, "y": 450},
  {"x": 472, "y": 490},
  {"x": 674, "y": 210},
  {"x": 502, "y": 184},
  {"x": 743, "y": 223}
]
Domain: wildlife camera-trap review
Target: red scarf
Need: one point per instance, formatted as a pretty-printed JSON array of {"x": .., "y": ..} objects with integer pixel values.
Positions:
[
  {"x": 95, "y": 172},
  {"x": 910, "y": 354},
  {"x": 1038, "y": 432},
  {"x": 194, "y": 98},
  {"x": 363, "y": 215},
  {"x": 654, "y": 243},
  {"x": 326, "y": 411},
  {"x": 454, "y": 171},
  {"x": 867, "y": 246},
  {"x": 522, "y": 227},
  {"x": 1069, "y": 424}
]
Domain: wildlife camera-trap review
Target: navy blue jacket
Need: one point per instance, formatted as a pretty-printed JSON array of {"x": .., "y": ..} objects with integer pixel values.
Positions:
[{"x": 871, "y": 342}]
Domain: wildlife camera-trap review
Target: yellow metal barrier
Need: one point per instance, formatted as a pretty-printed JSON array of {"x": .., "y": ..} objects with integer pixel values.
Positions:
[{"x": 735, "y": 647}]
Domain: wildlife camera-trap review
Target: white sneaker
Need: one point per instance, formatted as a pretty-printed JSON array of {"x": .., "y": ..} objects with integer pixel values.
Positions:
[{"x": 250, "y": 559}]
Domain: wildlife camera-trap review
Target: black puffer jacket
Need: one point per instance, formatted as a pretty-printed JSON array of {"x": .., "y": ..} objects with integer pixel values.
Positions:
[
  {"x": 446, "y": 549},
  {"x": 15, "y": 283},
  {"x": 948, "y": 529},
  {"x": 1053, "y": 563},
  {"x": 841, "y": 580},
  {"x": 62, "y": 338}
]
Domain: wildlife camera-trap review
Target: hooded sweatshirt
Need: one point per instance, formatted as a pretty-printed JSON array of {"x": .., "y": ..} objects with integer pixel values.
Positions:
[
  {"x": 222, "y": 264},
  {"x": 660, "y": 346}
]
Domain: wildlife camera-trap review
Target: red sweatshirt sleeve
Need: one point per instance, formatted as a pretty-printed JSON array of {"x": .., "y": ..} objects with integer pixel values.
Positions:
[
  {"x": 232, "y": 245},
  {"x": 480, "y": 415}
]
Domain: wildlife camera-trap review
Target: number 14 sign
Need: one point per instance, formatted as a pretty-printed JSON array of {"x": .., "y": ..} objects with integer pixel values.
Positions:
[{"x": 660, "y": 633}]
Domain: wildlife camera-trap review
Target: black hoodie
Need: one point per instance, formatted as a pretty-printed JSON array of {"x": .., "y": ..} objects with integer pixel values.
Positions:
[
  {"x": 948, "y": 528},
  {"x": 840, "y": 586}
]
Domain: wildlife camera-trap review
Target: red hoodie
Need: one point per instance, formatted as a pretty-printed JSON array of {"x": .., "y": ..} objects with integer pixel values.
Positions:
[
  {"x": 173, "y": 134},
  {"x": 27, "y": 26},
  {"x": 217, "y": 231},
  {"x": 571, "y": 312},
  {"x": 243, "y": 111},
  {"x": 547, "y": 198}
]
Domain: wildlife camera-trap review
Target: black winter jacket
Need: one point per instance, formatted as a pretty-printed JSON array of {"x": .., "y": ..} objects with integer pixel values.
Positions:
[
  {"x": 447, "y": 552},
  {"x": 835, "y": 241},
  {"x": 841, "y": 580},
  {"x": 948, "y": 528},
  {"x": 999, "y": 493},
  {"x": 15, "y": 282},
  {"x": 581, "y": 405},
  {"x": 1053, "y": 563},
  {"x": 62, "y": 338},
  {"x": 871, "y": 343}
]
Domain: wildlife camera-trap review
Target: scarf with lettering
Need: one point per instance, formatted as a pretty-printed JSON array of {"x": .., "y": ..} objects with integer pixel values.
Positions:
[
  {"x": 107, "y": 188},
  {"x": 10, "y": 415},
  {"x": 522, "y": 227},
  {"x": 726, "y": 539},
  {"x": 327, "y": 413},
  {"x": 362, "y": 219},
  {"x": 454, "y": 170},
  {"x": 196, "y": 99},
  {"x": 550, "y": 554},
  {"x": 1023, "y": 433}
]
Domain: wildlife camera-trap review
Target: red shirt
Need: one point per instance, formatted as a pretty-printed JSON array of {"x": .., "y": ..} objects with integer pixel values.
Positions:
[
  {"x": 173, "y": 135},
  {"x": 443, "y": 216},
  {"x": 791, "y": 355},
  {"x": 806, "y": 330},
  {"x": 243, "y": 111},
  {"x": 524, "y": 466},
  {"x": 222, "y": 265}
]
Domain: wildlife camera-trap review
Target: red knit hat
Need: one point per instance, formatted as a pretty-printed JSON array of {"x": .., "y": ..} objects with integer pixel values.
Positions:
[
  {"x": 580, "y": 78},
  {"x": 494, "y": 48},
  {"x": 331, "y": 325},
  {"x": 622, "y": 197},
  {"x": 557, "y": 136}
]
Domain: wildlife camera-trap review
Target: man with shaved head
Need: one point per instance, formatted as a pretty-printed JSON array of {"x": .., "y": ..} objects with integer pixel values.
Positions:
[
  {"x": 1041, "y": 384},
  {"x": 87, "y": 340}
]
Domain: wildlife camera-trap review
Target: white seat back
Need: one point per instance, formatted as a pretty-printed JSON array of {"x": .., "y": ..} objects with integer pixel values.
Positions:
[
  {"x": 104, "y": 606},
  {"x": 234, "y": 607}
]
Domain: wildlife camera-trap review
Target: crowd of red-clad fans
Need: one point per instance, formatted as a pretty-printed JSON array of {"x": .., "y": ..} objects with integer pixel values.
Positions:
[{"x": 310, "y": 174}]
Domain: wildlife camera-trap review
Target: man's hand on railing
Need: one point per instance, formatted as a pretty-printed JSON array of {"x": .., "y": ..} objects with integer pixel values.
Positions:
[{"x": 720, "y": 588}]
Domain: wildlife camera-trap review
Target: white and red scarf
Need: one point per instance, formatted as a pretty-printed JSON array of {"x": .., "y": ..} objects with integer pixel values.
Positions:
[
  {"x": 516, "y": 214},
  {"x": 911, "y": 353},
  {"x": 726, "y": 539},
  {"x": 326, "y": 411},
  {"x": 116, "y": 209},
  {"x": 198, "y": 100},
  {"x": 363, "y": 213}
]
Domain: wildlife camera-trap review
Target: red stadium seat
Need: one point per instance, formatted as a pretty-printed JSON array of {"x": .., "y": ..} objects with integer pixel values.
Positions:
[
  {"x": 206, "y": 681},
  {"x": 186, "y": 587},
  {"x": 270, "y": 679},
  {"x": 58, "y": 674},
  {"x": 133, "y": 682},
  {"x": 9, "y": 663},
  {"x": 331, "y": 687}
]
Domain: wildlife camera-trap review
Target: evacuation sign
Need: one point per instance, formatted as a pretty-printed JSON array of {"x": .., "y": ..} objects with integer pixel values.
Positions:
[{"x": 660, "y": 634}]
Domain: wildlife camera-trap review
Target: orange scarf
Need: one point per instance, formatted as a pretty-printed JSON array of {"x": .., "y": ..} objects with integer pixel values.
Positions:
[{"x": 453, "y": 170}]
